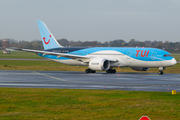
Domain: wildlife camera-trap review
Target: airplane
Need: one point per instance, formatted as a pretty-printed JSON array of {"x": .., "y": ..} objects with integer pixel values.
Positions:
[{"x": 102, "y": 58}]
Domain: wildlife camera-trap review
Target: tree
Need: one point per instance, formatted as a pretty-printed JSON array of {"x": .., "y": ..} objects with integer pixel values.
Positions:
[{"x": 0, "y": 43}]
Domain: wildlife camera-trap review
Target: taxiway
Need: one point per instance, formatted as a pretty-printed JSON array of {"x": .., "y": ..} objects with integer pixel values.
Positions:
[{"x": 81, "y": 80}]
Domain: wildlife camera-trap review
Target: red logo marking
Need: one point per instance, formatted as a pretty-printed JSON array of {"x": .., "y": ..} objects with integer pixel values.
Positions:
[
  {"x": 142, "y": 55},
  {"x": 137, "y": 52},
  {"x": 147, "y": 53},
  {"x": 44, "y": 38}
]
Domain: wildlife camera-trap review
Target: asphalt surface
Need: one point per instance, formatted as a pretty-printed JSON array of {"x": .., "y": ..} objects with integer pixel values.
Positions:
[{"x": 81, "y": 80}]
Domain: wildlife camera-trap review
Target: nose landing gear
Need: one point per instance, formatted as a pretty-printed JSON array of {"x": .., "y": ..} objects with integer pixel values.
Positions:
[{"x": 161, "y": 70}]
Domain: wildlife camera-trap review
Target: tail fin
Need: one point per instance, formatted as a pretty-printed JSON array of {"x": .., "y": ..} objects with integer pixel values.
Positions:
[{"x": 48, "y": 39}]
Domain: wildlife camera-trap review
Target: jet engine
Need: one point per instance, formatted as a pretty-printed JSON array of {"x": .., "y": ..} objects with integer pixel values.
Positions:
[
  {"x": 99, "y": 64},
  {"x": 140, "y": 69}
]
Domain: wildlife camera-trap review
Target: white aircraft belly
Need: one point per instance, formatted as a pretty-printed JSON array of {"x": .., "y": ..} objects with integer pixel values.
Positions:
[{"x": 139, "y": 63}]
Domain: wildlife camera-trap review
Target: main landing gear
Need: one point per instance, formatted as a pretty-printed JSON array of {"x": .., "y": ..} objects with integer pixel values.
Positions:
[
  {"x": 90, "y": 71},
  {"x": 107, "y": 71},
  {"x": 161, "y": 70},
  {"x": 111, "y": 71}
]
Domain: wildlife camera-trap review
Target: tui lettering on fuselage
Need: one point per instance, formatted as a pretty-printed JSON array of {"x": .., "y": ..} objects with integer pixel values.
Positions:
[{"x": 143, "y": 53}]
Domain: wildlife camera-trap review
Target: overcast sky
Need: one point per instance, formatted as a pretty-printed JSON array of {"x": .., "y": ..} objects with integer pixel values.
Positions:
[{"x": 90, "y": 20}]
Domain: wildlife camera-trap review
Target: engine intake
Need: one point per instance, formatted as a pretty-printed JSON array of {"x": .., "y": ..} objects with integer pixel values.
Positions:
[
  {"x": 140, "y": 69},
  {"x": 99, "y": 64}
]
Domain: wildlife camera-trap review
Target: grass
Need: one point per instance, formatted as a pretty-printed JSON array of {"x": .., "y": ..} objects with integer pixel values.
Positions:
[
  {"x": 176, "y": 56},
  {"x": 35, "y": 103},
  {"x": 38, "y": 65},
  {"x": 20, "y": 54}
]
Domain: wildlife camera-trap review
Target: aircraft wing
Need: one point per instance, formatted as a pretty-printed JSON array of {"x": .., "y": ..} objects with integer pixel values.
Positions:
[{"x": 75, "y": 57}]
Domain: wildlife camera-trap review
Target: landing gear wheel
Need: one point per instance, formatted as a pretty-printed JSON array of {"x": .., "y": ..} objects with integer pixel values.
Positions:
[
  {"x": 93, "y": 71},
  {"x": 87, "y": 70},
  {"x": 90, "y": 71},
  {"x": 114, "y": 70},
  {"x": 111, "y": 71},
  {"x": 160, "y": 72}
]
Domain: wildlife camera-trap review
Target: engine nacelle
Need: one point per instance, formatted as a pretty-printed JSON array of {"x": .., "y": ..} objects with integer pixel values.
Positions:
[
  {"x": 99, "y": 64},
  {"x": 140, "y": 69}
]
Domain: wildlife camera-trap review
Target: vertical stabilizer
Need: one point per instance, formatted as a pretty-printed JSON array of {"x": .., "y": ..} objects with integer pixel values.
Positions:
[{"x": 48, "y": 40}]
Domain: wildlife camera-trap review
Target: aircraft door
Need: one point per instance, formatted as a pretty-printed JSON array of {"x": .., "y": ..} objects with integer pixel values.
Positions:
[
  {"x": 85, "y": 53},
  {"x": 153, "y": 56},
  {"x": 128, "y": 55},
  {"x": 129, "y": 59}
]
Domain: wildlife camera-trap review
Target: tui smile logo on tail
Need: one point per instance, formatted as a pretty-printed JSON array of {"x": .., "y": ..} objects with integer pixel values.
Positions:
[{"x": 44, "y": 38}]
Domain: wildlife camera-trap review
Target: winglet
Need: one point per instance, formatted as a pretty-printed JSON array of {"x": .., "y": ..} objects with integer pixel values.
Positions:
[{"x": 48, "y": 40}]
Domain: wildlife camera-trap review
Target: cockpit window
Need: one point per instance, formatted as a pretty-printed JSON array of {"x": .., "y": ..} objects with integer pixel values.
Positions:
[{"x": 167, "y": 55}]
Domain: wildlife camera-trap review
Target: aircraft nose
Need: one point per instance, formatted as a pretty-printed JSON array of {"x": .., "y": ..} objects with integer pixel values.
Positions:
[{"x": 173, "y": 61}]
